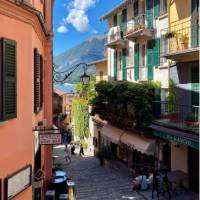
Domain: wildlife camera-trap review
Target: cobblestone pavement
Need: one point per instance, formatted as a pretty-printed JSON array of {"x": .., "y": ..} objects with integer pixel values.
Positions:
[{"x": 94, "y": 182}]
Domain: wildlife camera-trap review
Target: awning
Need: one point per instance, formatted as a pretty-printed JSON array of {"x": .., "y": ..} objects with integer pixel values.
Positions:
[
  {"x": 111, "y": 133},
  {"x": 142, "y": 144}
]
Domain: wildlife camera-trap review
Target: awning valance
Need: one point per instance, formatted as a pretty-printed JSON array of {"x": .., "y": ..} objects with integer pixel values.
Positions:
[
  {"x": 140, "y": 143},
  {"x": 111, "y": 133}
]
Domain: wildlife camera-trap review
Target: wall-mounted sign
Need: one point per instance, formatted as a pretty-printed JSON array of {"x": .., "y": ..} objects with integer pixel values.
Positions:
[
  {"x": 177, "y": 139},
  {"x": 50, "y": 138},
  {"x": 18, "y": 182}
]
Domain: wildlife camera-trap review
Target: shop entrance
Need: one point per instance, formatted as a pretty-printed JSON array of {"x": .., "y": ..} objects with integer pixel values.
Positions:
[
  {"x": 193, "y": 169},
  {"x": 167, "y": 156}
]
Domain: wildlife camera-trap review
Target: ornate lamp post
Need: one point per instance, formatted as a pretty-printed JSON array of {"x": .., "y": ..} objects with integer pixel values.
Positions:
[{"x": 61, "y": 76}]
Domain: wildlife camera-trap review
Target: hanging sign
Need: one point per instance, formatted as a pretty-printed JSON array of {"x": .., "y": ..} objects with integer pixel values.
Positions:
[
  {"x": 50, "y": 138},
  {"x": 18, "y": 182}
]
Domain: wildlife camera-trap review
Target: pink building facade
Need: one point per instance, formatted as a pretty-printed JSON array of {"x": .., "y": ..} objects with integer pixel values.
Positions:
[{"x": 25, "y": 95}]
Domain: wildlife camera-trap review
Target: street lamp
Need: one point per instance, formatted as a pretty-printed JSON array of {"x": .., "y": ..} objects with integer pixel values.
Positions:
[{"x": 61, "y": 76}]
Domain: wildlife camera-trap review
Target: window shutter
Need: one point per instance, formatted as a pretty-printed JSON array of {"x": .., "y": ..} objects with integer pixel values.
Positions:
[
  {"x": 115, "y": 65},
  {"x": 36, "y": 80},
  {"x": 156, "y": 8},
  {"x": 124, "y": 53},
  {"x": 124, "y": 20},
  {"x": 136, "y": 62},
  {"x": 156, "y": 52},
  {"x": 115, "y": 20},
  {"x": 41, "y": 80},
  {"x": 9, "y": 80},
  {"x": 149, "y": 13},
  {"x": 150, "y": 59}
]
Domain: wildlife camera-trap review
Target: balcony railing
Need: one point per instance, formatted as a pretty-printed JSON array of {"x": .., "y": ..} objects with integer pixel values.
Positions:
[
  {"x": 114, "y": 34},
  {"x": 137, "y": 23},
  {"x": 177, "y": 116},
  {"x": 180, "y": 37}
]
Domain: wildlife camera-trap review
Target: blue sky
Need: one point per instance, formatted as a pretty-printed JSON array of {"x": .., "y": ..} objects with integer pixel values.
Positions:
[{"x": 76, "y": 20}]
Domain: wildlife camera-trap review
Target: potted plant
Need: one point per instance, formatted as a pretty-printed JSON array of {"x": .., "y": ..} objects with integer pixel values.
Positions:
[
  {"x": 173, "y": 109},
  {"x": 184, "y": 41},
  {"x": 191, "y": 120},
  {"x": 169, "y": 34}
]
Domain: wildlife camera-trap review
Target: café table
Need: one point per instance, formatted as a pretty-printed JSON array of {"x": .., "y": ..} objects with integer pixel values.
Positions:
[{"x": 177, "y": 178}]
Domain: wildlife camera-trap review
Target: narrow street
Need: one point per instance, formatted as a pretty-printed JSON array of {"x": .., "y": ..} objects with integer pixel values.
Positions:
[{"x": 94, "y": 182}]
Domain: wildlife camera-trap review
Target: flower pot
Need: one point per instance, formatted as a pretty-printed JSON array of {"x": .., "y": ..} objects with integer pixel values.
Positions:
[
  {"x": 173, "y": 118},
  {"x": 192, "y": 124},
  {"x": 184, "y": 45}
]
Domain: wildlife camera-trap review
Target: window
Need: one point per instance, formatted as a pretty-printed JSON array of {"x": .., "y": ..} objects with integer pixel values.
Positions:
[
  {"x": 38, "y": 81},
  {"x": 120, "y": 60},
  {"x": 115, "y": 20},
  {"x": 135, "y": 8},
  {"x": 8, "y": 82},
  {"x": 101, "y": 76},
  {"x": 163, "y": 6}
]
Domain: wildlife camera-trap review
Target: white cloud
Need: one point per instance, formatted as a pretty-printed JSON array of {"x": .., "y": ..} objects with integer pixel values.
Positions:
[
  {"x": 94, "y": 31},
  {"x": 77, "y": 16},
  {"x": 62, "y": 29}
]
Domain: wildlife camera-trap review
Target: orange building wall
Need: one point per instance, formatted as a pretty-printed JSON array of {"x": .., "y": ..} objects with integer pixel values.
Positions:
[{"x": 16, "y": 135}]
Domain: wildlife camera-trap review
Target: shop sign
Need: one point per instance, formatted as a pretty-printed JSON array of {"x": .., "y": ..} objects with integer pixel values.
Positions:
[
  {"x": 18, "y": 182},
  {"x": 50, "y": 138},
  {"x": 177, "y": 139}
]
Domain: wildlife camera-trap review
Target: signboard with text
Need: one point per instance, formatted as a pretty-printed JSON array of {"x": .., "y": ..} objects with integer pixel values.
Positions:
[
  {"x": 50, "y": 138},
  {"x": 18, "y": 182}
]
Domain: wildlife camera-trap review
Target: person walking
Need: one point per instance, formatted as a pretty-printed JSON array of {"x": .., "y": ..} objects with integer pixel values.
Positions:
[
  {"x": 81, "y": 150},
  {"x": 68, "y": 153}
]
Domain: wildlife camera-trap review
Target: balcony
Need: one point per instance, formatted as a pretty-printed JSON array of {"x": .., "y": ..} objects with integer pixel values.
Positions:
[
  {"x": 138, "y": 27},
  {"x": 143, "y": 74},
  {"x": 175, "y": 116},
  {"x": 115, "y": 37},
  {"x": 180, "y": 42}
]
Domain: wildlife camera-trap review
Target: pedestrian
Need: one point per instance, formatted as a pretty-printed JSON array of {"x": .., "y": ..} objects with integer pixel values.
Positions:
[
  {"x": 68, "y": 153},
  {"x": 73, "y": 149},
  {"x": 81, "y": 150}
]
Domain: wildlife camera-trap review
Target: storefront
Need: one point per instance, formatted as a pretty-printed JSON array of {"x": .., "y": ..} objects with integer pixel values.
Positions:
[
  {"x": 180, "y": 151},
  {"x": 134, "y": 150}
]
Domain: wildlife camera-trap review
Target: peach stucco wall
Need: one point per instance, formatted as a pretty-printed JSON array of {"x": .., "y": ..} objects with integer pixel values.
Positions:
[{"x": 16, "y": 135}]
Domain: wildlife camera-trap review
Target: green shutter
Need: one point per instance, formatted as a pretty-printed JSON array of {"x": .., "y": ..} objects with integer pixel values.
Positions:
[
  {"x": 124, "y": 20},
  {"x": 9, "y": 79},
  {"x": 124, "y": 64},
  {"x": 156, "y": 52},
  {"x": 115, "y": 20},
  {"x": 136, "y": 62},
  {"x": 41, "y": 81},
  {"x": 115, "y": 65},
  {"x": 194, "y": 24},
  {"x": 150, "y": 59},
  {"x": 156, "y": 7},
  {"x": 36, "y": 80},
  {"x": 149, "y": 13}
]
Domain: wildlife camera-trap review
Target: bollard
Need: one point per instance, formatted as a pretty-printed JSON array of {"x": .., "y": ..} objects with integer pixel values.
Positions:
[{"x": 71, "y": 193}]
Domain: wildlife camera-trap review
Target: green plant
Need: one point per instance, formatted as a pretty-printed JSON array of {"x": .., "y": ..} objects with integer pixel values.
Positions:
[
  {"x": 169, "y": 34},
  {"x": 80, "y": 114},
  {"x": 191, "y": 117},
  {"x": 173, "y": 98}
]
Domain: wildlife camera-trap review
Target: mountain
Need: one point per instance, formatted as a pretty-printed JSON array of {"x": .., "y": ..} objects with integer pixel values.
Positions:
[{"x": 90, "y": 50}]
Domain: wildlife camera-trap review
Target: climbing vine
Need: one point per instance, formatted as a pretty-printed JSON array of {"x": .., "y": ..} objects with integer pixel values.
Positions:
[{"x": 80, "y": 117}]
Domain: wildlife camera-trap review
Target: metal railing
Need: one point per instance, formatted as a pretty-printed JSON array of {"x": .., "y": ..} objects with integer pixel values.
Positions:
[
  {"x": 177, "y": 116},
  {"x": 138, "y": 22},
  {"x": 116, "y": 35},
  {"x": 180, "y": 37}
]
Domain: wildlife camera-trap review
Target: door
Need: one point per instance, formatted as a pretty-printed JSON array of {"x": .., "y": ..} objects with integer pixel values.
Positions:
[
  {"x": 149, "y": 13},
  {"x": 124, "y": 55},
  {"x": 167, "y": 156},
  {"x": 193, "y": 169},
  {"x": 150, "y": 46},
  {"x": 115, "y": 65},
  {"x": 124, "y": 20}
]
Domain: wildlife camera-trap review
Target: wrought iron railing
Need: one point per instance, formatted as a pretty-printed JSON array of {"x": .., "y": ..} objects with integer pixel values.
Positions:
[
  {"x": 179, "y": 37},
  {"x": 138, "y": 22},
  {"x": 114, "y": 34},
  {"x": 177, "y": 116}
]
